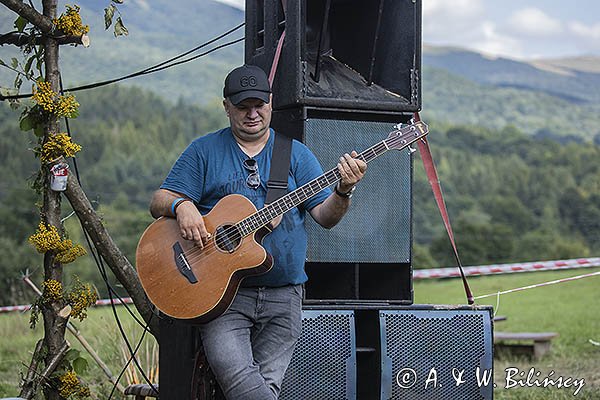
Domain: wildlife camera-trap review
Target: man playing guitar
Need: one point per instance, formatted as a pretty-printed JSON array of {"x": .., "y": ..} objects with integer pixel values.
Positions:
[{"x": 250, "y": 345}]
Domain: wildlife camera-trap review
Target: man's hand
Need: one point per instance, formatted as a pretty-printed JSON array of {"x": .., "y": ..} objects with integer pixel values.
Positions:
[
  {"x": 351, "y": 170},
  {"x": 191, "y": 224}
]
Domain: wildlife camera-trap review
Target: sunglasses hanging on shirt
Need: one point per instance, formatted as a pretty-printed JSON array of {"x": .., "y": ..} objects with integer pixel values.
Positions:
[{"x": 253, "y": 179}]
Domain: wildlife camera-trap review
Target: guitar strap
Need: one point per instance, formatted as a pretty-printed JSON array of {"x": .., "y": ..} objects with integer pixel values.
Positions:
[
  {"x": 434, "y": 181},
  {"x": 280, "y": 166},
  {"x": 282, "y": 148}
]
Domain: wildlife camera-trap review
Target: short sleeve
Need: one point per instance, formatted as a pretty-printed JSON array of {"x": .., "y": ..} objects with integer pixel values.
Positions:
[
  {"x": 306, "y": 167},
  {"x": 187, "y": 174}
]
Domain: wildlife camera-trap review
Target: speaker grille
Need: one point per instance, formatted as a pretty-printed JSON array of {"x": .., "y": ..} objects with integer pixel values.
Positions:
[
  {"x": 377, "y": 228},
  {"x": 415, "y": 343},
  {"x": 324, "y": 363}
]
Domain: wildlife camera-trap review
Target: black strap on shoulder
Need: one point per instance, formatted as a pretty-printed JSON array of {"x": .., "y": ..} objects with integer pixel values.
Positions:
[{"x": 280, "y": 166}]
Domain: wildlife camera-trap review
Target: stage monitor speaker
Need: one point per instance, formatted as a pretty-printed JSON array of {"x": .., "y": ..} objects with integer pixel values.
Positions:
[
  {"x": 349, "y": 54},
  {"x": 425, "y": 353},
  {"x": 324, "y": 363}
]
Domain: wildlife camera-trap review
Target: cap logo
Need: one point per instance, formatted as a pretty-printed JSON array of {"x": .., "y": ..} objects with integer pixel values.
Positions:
[{"x": 246, "y": 81}]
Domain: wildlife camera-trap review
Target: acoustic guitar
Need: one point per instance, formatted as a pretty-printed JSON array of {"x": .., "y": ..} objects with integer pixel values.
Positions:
[{"x": 186, "y": 282}]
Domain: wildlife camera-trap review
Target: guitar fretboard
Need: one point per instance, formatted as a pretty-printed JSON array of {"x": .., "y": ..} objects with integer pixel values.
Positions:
[{"x": 397, "y": 140}]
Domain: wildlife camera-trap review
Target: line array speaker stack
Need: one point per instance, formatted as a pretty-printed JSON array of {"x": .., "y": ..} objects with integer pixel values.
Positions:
[{"x": 349, "y": 71}]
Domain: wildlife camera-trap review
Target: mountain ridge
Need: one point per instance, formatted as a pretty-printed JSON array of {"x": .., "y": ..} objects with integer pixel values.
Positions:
[{"x": 555, "y": 89}]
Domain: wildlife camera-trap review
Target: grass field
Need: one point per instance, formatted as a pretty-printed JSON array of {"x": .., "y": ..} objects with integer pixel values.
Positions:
[{"x": 572, "y": 309}]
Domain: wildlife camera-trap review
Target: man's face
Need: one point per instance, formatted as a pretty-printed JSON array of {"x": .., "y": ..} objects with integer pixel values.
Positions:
[{"x": 250, "y": 119}]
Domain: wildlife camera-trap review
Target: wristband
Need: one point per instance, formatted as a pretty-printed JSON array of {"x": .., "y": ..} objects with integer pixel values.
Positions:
[
  {"x": 176, "y": 203},
  {"x": 346, "y": 195}
]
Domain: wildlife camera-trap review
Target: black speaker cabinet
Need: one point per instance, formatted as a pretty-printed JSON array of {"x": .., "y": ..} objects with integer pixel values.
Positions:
[
  {"x": 350, "y": 54},
  {"x": 178, "y": 348},
  {"x": 324, "y": 362},
  {"x": 420, "y": 352},
  {"x": 367, "y": 256},
  {"x": 436, "y": 354}
]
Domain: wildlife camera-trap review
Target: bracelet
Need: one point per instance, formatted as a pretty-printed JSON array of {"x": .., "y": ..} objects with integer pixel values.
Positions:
[{"x": 176, "y": 204}]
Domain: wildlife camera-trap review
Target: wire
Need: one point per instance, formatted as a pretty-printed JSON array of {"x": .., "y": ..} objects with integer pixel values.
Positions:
[
  {"x": 155, "y": 68},
  {"x": 111, "y": 291}
]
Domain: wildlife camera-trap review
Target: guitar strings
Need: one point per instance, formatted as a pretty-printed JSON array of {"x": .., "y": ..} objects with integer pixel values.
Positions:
[{"x": 233, "y": 233}]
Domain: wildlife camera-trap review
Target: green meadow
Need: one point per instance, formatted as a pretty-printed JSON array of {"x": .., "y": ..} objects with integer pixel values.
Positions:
[{"x": 572, "y": 309}]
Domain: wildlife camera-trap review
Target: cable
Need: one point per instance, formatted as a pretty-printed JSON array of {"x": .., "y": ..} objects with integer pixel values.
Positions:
[
  {"x": 101, "y": 268},
  {"x": 155, "y": 68}
]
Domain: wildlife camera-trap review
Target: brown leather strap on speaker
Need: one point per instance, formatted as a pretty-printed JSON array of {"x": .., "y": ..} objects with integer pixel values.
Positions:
[
  {"x": 278, "y": 51},
  {"x": 434, "y": 181}
]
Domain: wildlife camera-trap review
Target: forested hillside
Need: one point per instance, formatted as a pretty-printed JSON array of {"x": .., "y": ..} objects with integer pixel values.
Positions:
[
  {"x": 511, "y": 197},
  {"x": 459, "y": 86}
]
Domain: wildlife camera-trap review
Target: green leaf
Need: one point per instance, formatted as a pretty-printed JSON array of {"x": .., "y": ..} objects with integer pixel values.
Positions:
[
  {"x": 27, "y": 67},
  {"x": 80, "y": 365},
  {"x": 2, "y": 63},
  {"x": 39, "y": 130},
  {"x": 109, "y": 12},
  {"x": 120, "y": 28},
  {"x": 21, "y": 23},
  {"x": 18, "y": 82},
  {"x": 8, "y": 91},
  {"x": 118, "y": 1},
  {"x": 14, "y": 62},
  {"x": 26, "y": 123},
  {"x": 74, "y": 114},
  {"x": 72, "y": 354}
]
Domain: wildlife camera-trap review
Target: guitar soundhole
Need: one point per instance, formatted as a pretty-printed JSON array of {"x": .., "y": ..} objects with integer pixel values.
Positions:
[{"x": 228, "y": 238}]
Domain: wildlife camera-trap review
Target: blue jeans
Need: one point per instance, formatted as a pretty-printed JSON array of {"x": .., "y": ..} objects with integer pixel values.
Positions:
[{"x": 250, "y": 346}]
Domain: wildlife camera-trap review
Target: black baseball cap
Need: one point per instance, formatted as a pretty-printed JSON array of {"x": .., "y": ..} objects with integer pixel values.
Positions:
[{"x": 247, "y": 82}]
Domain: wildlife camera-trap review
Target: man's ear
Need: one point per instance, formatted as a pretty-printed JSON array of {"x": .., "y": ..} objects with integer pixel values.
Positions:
[{"x": 226, "y": 106}]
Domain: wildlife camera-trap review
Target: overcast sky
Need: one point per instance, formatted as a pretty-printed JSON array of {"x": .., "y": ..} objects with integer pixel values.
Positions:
[{"x": 521, "y": 29}]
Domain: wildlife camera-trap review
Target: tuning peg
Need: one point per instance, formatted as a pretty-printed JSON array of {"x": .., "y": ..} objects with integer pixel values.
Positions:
[
  {"x": 398, "y": 126},
  {"x": 411, "y": 149}
]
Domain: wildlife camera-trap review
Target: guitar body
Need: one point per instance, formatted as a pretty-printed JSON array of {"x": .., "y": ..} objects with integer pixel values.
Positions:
[{"x": 207, "y": 289}]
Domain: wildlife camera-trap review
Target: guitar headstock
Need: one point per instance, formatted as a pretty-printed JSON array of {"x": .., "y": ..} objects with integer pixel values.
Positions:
[{"x": 405, "y": 134}]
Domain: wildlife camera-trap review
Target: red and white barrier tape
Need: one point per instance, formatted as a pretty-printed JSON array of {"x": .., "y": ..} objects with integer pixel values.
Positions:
[
  {"x": 507, "y": 268},
  {"x": 103, "y": 302},
  {"x": 450, "y": 272}
]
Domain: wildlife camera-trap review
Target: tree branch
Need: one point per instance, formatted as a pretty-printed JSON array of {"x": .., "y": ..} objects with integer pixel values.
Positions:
[
  {"x": 30, "y": 14},
  {"x": 21, "y": 39},
  {"x": 115, "y": 259}
]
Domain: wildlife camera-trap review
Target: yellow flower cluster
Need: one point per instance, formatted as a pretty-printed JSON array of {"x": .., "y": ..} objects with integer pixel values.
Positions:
[
  {"x": 70, "y": 22},
  {"x": 70, "y": 386},
  {"x": 67, "y": 106},
  {"x": 53, "y": 290},
  {"x": 71, "y": 253},
  {"x": 47, "y": 238},
  {"x": 52, "y": 103},
  {"x": 45, "y": 97},
  {"x": 57, "y": 146},
  {"x": 81, "y": 297}
]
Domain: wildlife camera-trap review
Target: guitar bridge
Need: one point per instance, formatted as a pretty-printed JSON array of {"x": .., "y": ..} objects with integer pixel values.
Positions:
[{"x": 182, "y": 264}]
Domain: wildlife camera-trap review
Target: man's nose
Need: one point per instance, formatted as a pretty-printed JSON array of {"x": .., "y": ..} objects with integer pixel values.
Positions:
[{"x": 252, "y": 112}]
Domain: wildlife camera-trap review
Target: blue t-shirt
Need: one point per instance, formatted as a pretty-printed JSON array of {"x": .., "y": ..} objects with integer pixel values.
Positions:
[{"x": 211, "y": 167}]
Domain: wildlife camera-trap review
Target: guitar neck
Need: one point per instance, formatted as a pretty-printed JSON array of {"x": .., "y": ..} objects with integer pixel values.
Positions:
[{"x": 285, "y": 203}]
